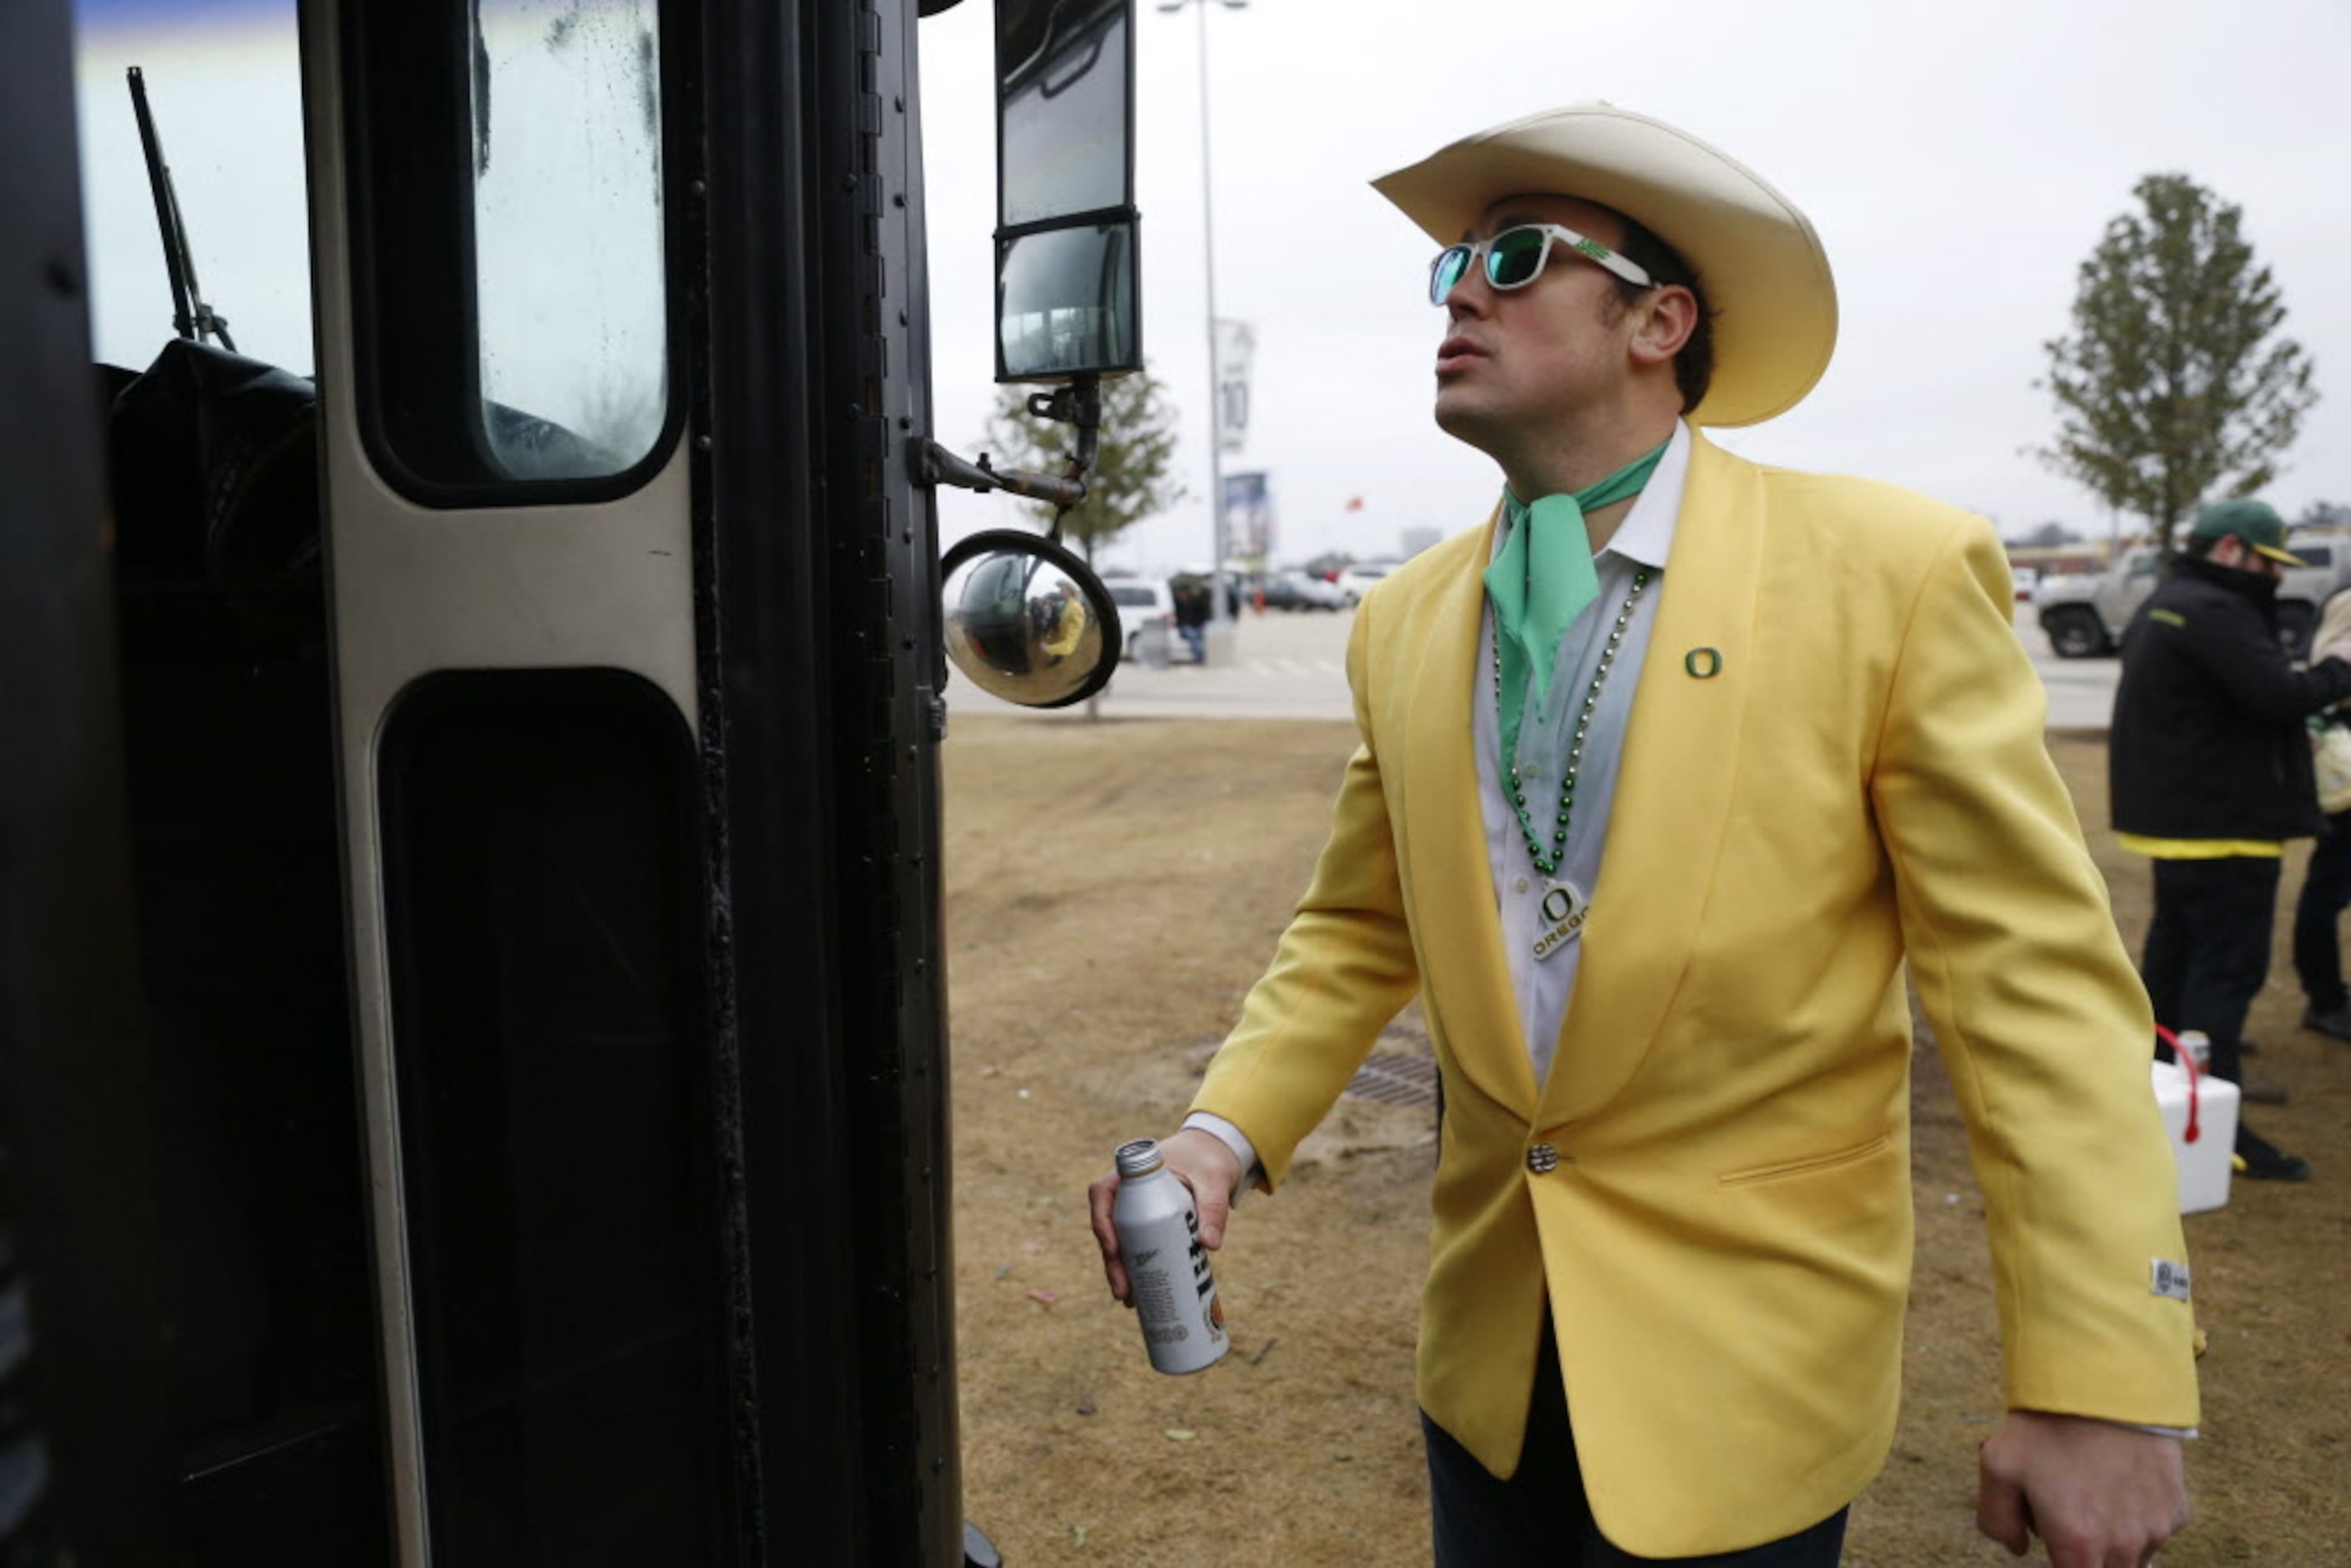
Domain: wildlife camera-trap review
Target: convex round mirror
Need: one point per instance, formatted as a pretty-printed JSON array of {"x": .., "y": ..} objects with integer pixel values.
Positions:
[{"x": 1027, "y": 621}]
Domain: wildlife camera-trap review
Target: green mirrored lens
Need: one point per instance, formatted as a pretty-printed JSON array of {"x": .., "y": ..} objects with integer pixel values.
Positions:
[
  {"x": 1451, "y": 263},
  {"x": 1515, "y": 258}
]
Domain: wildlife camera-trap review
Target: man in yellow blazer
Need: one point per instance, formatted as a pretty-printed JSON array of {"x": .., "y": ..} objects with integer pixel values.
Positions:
[{"x": 1670, "y": 771}]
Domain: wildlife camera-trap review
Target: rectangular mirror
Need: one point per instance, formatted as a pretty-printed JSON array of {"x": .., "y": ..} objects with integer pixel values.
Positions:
[
  {"x": 1062, "y": 96},
  {"x": 1067, "y": 261},
  {"x": 1065, "y": 303}
]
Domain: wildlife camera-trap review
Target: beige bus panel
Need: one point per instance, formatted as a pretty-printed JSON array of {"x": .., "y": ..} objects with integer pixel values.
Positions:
[{"x": 415, "y": 591}]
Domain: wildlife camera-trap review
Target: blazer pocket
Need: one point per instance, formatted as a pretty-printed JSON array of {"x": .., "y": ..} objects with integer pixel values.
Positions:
[{"x": 1815, "y": 1165}]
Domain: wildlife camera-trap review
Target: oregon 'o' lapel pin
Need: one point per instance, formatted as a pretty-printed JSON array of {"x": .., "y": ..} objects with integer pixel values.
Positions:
[{"x": 1704, "y": 663}]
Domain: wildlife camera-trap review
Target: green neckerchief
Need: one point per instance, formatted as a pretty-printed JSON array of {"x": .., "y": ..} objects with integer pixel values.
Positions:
[{"x": 1542, "y": 580}]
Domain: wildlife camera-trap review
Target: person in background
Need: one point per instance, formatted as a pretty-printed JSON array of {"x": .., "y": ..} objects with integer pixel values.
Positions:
[
  {"x": 2210, "y": 774},
  {"x": 1666, "y": 766},
  {"x": 1193, "y": 611},
  {"x": 2327, "y": 883}
]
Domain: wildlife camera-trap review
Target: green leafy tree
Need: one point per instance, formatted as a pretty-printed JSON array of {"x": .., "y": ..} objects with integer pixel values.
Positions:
[
  {"x": 1130, "y": 479},
  {"x": 2174, "y": 387}
]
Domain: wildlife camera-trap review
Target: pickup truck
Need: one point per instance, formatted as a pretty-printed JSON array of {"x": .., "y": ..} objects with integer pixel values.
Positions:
[{"x": 2084, "y": 615}]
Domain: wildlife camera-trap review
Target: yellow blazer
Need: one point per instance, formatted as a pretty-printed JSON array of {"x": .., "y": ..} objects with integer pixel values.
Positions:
[{"x": 1725, "y": 1239}]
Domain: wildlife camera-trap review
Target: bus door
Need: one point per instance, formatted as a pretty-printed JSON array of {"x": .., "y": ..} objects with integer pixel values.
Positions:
[
  {"x": 638, "y": 685},
  {"x": 476, "y": 1058},
  {"x": 509, "y": 544}
]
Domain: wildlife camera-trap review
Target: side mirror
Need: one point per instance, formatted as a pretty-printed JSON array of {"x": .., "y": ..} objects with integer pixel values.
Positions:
[
  {"x": 1067, "y": 257},
  {"x": 1026, "y": 621}
]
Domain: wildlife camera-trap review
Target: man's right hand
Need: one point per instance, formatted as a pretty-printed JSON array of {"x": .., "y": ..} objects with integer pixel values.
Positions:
[{"x": 1202, "y": 1162}]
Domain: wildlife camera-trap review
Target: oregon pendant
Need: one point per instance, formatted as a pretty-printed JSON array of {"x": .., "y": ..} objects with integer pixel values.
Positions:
[{"x": 1564, "y": 911}]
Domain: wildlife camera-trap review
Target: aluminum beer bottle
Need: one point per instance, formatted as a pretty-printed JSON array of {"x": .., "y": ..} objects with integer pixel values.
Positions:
[{"x": 1167, "y": 1272}]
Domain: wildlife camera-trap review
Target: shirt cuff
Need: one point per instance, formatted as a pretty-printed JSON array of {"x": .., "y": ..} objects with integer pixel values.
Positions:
[
  {"x": 2185, "y": 1433},
  {"x": 1233, "y": 1138}
]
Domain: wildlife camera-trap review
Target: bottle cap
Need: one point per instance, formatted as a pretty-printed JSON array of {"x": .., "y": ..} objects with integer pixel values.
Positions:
[{"x": 1139, "y": 1157}]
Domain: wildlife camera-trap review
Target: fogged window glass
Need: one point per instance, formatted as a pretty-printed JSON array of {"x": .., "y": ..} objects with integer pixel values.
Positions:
[
  {"x": 570, "y": 329},
  {"x": 1064, "y": 95}
]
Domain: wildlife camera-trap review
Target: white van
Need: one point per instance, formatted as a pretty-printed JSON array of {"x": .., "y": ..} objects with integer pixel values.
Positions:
[
  {"x": 1146, "y": 615},
  {"x": 1361, "y": 579}
]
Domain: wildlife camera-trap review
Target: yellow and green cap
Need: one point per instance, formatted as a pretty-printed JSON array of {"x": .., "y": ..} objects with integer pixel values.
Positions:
[{"x": 2254, "y": 522}]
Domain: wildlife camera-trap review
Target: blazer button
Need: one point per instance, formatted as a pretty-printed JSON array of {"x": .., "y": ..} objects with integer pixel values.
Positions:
[{"x": 1542, "y": 1159}]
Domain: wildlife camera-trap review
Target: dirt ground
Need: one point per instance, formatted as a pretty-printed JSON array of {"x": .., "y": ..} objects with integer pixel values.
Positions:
[{"x": 1112, "y": 891}]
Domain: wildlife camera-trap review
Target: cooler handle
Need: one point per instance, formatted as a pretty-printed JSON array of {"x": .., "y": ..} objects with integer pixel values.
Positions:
[{"x": 2187, "y": 1058}]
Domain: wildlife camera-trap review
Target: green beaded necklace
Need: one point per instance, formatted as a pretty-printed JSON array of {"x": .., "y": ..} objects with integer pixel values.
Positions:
[{"x": 1548, "y": 862}]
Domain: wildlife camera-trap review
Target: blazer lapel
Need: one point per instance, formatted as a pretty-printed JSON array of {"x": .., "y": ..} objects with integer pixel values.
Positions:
[
  {"x": 1673, "y": 790},
  {"x": 1443, "y": 845}
]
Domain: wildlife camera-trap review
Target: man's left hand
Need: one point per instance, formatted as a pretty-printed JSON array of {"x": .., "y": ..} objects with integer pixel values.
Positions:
[{"x": 2100, "y": 1495}]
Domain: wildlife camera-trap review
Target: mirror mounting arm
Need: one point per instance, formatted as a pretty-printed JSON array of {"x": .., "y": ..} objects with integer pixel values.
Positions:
[
  {"x": 933, "y": 466},
  {"x": 1078, "y": 404}
]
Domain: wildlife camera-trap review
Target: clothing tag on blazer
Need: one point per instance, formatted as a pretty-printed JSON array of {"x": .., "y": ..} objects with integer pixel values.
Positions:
[{"x": 2167, "y": 1279}]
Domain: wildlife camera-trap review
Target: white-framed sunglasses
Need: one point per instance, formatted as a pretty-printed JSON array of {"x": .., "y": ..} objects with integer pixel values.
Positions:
[{"x": 1515, "y": 259}]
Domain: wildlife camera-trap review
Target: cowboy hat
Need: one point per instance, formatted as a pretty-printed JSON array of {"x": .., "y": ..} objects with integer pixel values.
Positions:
[{"x": 1765, "y": 278}]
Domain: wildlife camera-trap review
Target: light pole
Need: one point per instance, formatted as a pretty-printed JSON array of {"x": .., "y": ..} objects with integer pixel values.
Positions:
[{"x": 1219, "y": 619}]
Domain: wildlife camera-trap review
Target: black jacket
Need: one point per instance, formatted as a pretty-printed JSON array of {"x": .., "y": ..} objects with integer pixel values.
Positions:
[{"x": 2208, "y": 739}]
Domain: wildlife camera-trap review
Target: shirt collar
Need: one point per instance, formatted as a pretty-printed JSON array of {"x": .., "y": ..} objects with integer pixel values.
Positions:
[
  {"x": 1645, "y": 537},
  {"x": 2255, "y": 586}
]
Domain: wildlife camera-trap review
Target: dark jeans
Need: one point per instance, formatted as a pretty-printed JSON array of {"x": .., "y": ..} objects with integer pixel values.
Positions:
[
  {"x": 2325, "y": 889},
  {"x": 2208, "y": 948},
  {"x": 1540, "y": 1517}
]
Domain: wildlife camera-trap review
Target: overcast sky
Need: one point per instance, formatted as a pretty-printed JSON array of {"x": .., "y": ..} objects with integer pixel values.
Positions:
[{"x": 1958, "y": 162}]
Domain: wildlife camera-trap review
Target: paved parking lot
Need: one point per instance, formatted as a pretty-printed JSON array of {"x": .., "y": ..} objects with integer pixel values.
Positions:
[{"x": 1294, "y": 666}]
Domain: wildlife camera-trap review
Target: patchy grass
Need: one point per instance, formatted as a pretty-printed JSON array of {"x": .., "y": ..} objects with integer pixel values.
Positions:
[{"x": 1113, "y": 888}]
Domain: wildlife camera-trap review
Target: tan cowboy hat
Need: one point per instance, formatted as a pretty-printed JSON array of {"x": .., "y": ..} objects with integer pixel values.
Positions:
[{"x": 1765, "y": 276}]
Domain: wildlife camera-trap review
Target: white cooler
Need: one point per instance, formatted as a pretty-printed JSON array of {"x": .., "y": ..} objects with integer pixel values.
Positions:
[{"x": 2204, "y": 1164}]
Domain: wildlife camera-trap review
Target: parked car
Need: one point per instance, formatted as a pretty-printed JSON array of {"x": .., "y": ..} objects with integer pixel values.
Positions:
[
  {"x": 2085, "y": 616},
  {"x": 1361, "y": 579},
  {"x": 1301, "y": 590},
  {"x": 2027, "y": 578},
  {"x": 1146, "y": 613}
]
